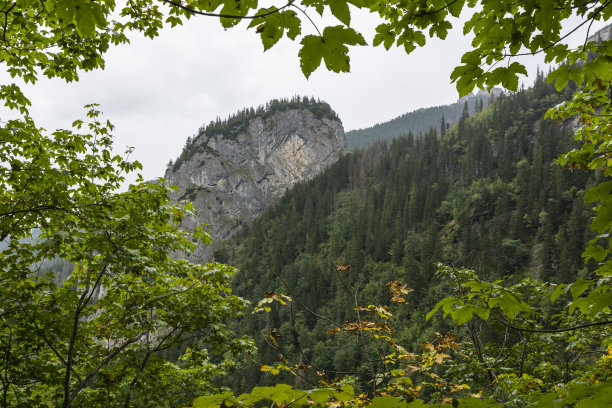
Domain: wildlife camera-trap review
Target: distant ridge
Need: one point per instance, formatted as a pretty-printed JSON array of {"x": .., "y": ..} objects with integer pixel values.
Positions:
[{"x": 419, "y": 121}]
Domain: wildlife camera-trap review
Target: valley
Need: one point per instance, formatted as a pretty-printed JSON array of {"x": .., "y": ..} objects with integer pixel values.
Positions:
[{"x": 484, "y": 194}]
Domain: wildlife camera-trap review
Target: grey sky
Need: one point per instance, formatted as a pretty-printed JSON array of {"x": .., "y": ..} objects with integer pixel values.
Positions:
[{"x": 158, "y": 92}]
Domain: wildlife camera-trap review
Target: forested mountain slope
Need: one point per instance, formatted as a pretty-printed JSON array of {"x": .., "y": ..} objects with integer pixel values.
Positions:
[
  {"x": 484, "y": 194},
  {"x": 234, "y": 168},
  {"x": 420, "y": 121}
]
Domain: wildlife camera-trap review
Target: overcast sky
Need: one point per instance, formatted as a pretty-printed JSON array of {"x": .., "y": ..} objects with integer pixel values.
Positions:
[{"x": 158, "y": 92}]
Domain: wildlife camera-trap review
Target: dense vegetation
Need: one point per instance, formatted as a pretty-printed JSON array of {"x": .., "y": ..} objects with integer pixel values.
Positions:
[
  {"x": 417, "y": 122},
  {"x": 98, "y": 335},
  {"x": 484, "y": 194},
  {"x": 238, "y": 123},
  {"x": 98, "y": 338}
]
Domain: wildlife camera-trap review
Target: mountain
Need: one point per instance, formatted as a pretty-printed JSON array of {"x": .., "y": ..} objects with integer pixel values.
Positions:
[
  {"x": 485, "y": 194},
  {"x": 421, "y": 121},
  {"x": 605, "y": 34},
  {"x": 233, "y": 169}
]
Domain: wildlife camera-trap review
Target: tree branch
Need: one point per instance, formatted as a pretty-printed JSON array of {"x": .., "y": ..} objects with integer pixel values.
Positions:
[
  {"x": 108, "y": 358},
  {"x": 47, "y": 341},
  {"x": 428, "y": 13},
  {"x": 6, "y": 13},
  {"x": 309, "y": 19},
  {"x": 207, "y": 14},
  {"x": 5, "y": 380},
  {"x": 582, "y": 326},
  {"x": 564, "y": 37}
]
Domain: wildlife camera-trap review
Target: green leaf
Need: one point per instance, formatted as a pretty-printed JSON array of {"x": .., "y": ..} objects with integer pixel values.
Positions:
[
  {"x": 211, "y": 401},
  {"x": 466, "y": 78},
  {"x": 577, "y": 288},
  {"x": 292, "y": 23},
  {"x": 340, "y": 10},
  {"x": 98, "y": 14},
  {"x": 65, "y": 11},
  {"x": 478, "y": 286},
  {"x": 600, "y": 69},
  {"x": 274, "y": 26},
  {"x": 384, "y": 35},
  {"x": 559, "y": 290},
  {"x": 511, "y": 305},
  {"x": 482, "y": 312},
  {"x": 478, "y": 403},
  {"x": 85, "y": 19},
  {"x": 594, "y": 303},
  {"x": 543, "y": 18},
  {"x": 387, "y": 402},
  {"x": 462, "y": 314},
  {"x": 320, "y": 396},
  {"x": 310, "y": 54},
  {"x": 448, "y": 301},
  {"x": 596, "y": 252},
  {"x": 345, "y": 393},
  {"x": 565, "y": 73},
  {"x": 335, "y": 50},
  {"x": 602, "y": 192},
  {"x": 440, "y": 30},
  {"x": 332, "y": 48},
  {"x": 283, "y": 394}
]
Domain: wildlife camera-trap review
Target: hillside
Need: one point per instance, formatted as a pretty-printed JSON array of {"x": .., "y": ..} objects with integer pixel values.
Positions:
[
  {"x": 483, "y": 194},
  {"x": 421, "y": 121}
]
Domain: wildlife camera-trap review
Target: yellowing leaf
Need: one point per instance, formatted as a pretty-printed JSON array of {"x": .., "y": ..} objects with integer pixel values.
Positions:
[{"x": 268, "y": 369}]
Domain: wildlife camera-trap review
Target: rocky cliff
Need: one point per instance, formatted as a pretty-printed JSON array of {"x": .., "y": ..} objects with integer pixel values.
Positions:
[
  {"x": 233, "y": 169},
  {"x": 605, "y": 34}
]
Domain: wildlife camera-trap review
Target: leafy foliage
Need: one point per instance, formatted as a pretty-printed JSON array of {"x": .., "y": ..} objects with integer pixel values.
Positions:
[
  {"x": 281, "y": 394},
  {"x": 330, "y": 47},
  {"x": 524, "y": 312},
  {"x": 99, "y": 336},
  {"x": 75, "y": 35}
]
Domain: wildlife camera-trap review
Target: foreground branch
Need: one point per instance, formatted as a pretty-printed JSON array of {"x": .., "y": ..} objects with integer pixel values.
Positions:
[
  {"x": 555, "y": 330},
  {"x": 207, "y": 14}
]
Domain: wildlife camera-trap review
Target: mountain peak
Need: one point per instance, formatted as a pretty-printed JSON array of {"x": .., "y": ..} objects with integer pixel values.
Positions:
[{"x": 233, "y": 169}]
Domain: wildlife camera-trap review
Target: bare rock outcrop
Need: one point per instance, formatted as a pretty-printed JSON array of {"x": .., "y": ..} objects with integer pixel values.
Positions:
[{"x": 232, "y": 175}]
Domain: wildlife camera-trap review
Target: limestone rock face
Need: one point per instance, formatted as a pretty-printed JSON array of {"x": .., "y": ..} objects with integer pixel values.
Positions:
[
  {"x": 605, "y": 34},
  {"x": 232, "y": 178}
]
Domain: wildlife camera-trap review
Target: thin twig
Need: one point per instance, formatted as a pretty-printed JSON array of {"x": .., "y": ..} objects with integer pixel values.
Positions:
[
  {"x": 555, "y": 330},
  {"x": 308, "y": 17},
  {"x": 204, "y": 13},
  {"x": 46, "y": 340},
  {"x": 6, "y": 13},
  {"x": 426, "y": 13}
]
